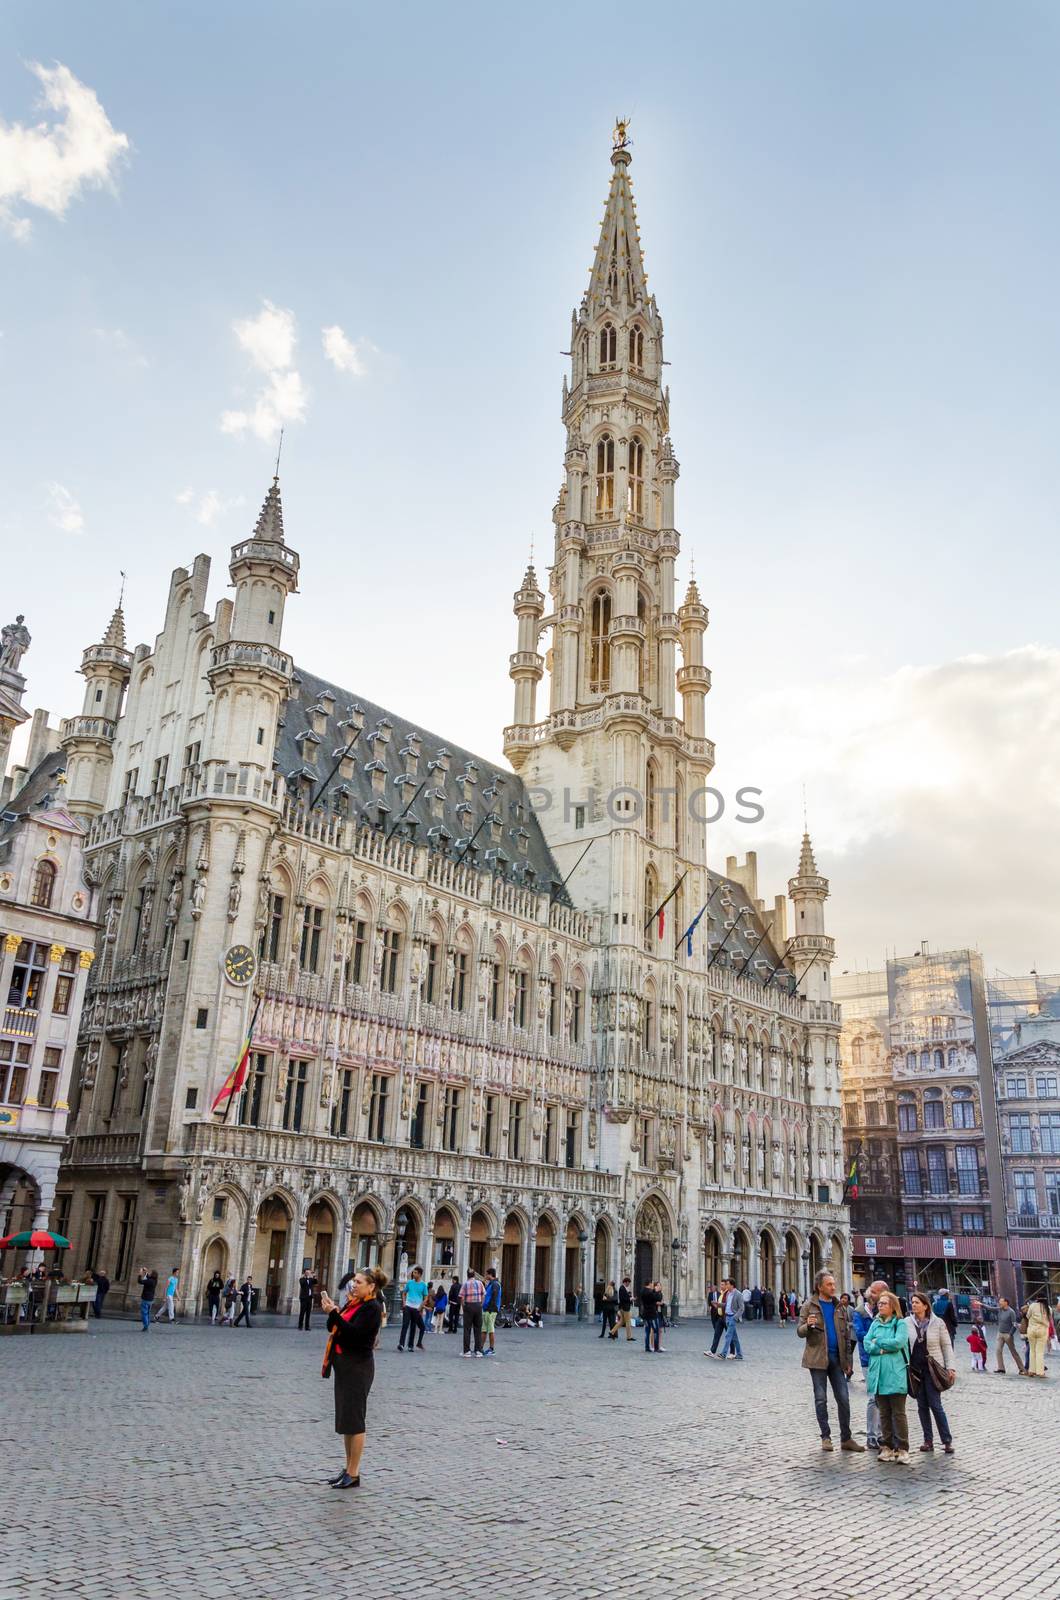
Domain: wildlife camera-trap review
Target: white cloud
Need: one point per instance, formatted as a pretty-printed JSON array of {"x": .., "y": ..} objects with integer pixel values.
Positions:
[
  {"x": 345, "y": 354},
  {"x": 51, "y": 164},
  {"x": 269, "y": 339},
  {"x": 119, "y": 343},
  {"x": 64, "y": 510},
  {"x": 934, "y": 803},
  {"x": 208, "y": 506}
]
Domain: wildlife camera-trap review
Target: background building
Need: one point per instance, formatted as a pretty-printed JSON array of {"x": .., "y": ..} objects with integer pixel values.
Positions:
[
  {"x": 46, "y": 948},
  {"x": 1028, "y": 1098},
  {"x": 494, "y": 1016}
]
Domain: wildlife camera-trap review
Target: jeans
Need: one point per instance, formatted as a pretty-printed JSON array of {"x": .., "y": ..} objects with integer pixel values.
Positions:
[
  {"x": 832, "y": 1374},
  {"x": 872, "y": 1419},
  {"x": 719, "y": 1329},
  {"x": 145, "y": 1312},
  {"x": 731, "y": 1342},
  {"x": 651, "y": 1333},
  {"x": 472, "y": 1325},
  {"x": 428, "y": 1319},
  {"x": 411, "y": 1324},
  {"x": 928, "y": 1405}
]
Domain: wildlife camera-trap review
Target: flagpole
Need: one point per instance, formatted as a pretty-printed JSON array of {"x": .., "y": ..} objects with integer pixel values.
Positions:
[{"x": 666, "y": 902}]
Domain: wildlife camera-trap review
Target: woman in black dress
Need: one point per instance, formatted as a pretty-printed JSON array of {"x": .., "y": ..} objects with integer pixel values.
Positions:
[{"x": 353, "y": 1331}]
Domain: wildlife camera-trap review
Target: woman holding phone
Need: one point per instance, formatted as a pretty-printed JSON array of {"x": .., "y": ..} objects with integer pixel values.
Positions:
[{"x": 352, "y": 1332}]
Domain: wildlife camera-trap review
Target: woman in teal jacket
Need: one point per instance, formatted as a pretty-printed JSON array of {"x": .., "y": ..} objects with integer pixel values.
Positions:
[{"x": 887, "y": 1347}]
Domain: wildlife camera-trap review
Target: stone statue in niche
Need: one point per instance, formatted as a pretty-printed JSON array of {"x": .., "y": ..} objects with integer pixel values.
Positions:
[
  {"x": 777, "y": 1161},
  {"x": 198, "y": 897},
  {"x": 729, "y": 1151}
]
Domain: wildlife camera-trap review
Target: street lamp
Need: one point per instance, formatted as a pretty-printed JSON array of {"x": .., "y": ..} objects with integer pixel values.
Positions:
[
  {"x": 675, "y": 1257},
  {"x": 583, "y": 1240},
  {"x": 399, "y": 1245},
  {"x": 806, "y": 1274}
]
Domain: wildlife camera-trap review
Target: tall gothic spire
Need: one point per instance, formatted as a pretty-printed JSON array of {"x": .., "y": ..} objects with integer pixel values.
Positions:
[
  {"x": 115, "y": 634},
  {"x": 618, "y": 272},
  {"x": 807, "y": 864},
  {"x": 270, "y": 523}
]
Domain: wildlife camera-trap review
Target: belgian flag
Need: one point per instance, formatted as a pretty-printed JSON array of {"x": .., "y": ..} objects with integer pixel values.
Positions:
[{"x": 238, "y": 1075}]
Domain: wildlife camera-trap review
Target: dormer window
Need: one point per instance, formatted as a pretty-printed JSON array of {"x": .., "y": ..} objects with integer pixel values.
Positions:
[
  {"x": 636, "y": 348},
  {"x": 608, "y": 347},
  {"x": 605, "y": 477}
]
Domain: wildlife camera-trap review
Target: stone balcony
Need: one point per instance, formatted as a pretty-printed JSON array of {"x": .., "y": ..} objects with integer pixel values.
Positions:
[{"x": 274, "y": 1147}]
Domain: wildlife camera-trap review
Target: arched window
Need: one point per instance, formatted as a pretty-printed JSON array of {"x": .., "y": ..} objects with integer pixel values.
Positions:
[
  {"x": 43, "y": 885},
  {"x": 679, "y": 816},
  {"x": 599, "y": 644},
  {"x": 636, "y": 348},
  {"x": 605, "y": 477},
  {"x": 650, "y": 818},
  {"x": 651, "y": 900},
  {"x": 635, "y": 480},
  {"x": 857, "y": 1052},
  {"x": 608, "y": 345},
  {"x": 583, "y": 356}
]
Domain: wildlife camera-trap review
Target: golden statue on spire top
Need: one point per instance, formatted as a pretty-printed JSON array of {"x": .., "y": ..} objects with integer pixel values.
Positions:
[{"x": 620, "y": 139}]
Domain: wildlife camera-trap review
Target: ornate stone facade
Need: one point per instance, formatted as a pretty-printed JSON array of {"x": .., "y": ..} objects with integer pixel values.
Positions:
[{"x": 456, "y": 1054}]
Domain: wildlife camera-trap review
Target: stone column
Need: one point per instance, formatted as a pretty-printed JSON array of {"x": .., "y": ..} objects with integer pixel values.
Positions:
[
  {"x": 556, "y": 1298},
  {"x": 526, "y": 1265}
]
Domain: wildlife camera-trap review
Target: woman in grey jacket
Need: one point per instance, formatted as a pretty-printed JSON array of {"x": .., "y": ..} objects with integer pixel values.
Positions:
[{"x": 929, "y": 1340}]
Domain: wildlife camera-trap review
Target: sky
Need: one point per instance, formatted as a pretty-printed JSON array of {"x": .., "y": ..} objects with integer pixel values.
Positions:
[{"x": 371, "y": 225}]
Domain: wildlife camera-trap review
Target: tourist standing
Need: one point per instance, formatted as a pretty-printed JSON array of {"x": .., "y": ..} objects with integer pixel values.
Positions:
[
  {"x": 930, "y": 1362},
  {"x": 756, "y": 1303},
  {"x": 428, "y": 1308},
  {"x": 306, "y": 1284},
  {"x": 491, "y": 1305},
  {"x": 169, "y": 1304},
  {"x": 649, "y": 1316},
  {"x": 825, "y": 1326},
  {"x": 102, "y": 1283},
  {"x": 214, "y": 1290},
  {"x": 625, "y": 1310},
  {"x": 441, "y": 1301},
  {"x": 943, "y": 1307},
  {"x": 352, "y": 1332},
  {"x": 246, "y": 1301},
  {"x": 231, "y": 1297},
  {"x": 1007, "y": 1322},
  {"x": 977, "y": 1343},
  {"x": 148, "y": 1282},
  {"x": 887, "y": 1343},
  {"x": 472, "y": 1295},
  {"x": 415, "y": 1294},
  {"x": 769, "y": 1305},
  {"x": 609, "y": 1311},
  {"x": 454, "y": 1304},
  {"x": 861, "y": 1322},
  {"x": 1037, "y": 1314}
]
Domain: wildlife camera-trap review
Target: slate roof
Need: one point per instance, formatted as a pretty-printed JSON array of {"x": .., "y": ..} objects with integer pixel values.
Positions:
[
  {"x": 40, "y": 783},
  {"x": 443, "y": 790},
  {"x": 736, "y": 945}
]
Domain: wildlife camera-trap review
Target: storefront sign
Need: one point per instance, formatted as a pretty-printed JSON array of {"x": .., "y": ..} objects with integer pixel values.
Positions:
[{"x": 949, "y": 1247}]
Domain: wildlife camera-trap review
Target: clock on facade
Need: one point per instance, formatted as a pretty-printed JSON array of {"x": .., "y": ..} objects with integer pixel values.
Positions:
[{"x": 239, "y": 964}]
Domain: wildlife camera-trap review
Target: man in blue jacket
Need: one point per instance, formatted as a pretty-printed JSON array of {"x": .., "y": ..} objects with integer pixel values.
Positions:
[
  {"x": 862, "y": 1324},
  {"x": 491, "y": 1304}
]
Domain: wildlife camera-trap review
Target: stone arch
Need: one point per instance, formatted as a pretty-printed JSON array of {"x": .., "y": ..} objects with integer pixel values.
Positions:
[
  {"x": 743, "y": 1255},
  {"x": 602, "y": 1241},
  {"x": 837, "y": 1259},
  {"x": 445, "y": 1233},
  {"x": 769, "y": 1251},
  {"x": 546, "y": 1253},
  {"x": 514, "y": 1236},
  {"x": 367, "y": 1227},
  {"x": 653, "y": 1231},
  {"x": 482, "y": 1230},
  {"x": 714, "y": 1254},
  {"x": 322, "y": 1231},
  {"x": 791, "y": 1268},
  {"x": 276, "y": 1216}
]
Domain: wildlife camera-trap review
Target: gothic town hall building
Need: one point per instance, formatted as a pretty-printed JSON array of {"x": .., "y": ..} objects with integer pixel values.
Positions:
[{"x": 456, "y": 1055}]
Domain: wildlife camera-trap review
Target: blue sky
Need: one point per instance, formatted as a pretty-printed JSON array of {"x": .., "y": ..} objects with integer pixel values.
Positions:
[{"x": 850, "y": 221}]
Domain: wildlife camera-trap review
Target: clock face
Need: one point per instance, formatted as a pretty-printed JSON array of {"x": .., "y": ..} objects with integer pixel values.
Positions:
[{"x": 239, "y": 964}]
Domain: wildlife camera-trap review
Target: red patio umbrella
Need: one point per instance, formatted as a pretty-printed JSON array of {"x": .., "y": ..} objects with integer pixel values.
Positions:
[{"x": 34, "y": 1239}]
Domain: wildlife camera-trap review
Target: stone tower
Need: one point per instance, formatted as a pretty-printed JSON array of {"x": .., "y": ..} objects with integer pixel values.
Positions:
[
  {"x": 811, "y": 952},
  {"x": 613, "y": 766},
  {"x": 88, "y": 740}
]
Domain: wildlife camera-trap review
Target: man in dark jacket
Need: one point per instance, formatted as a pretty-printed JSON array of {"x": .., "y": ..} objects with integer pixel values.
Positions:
[
  {"x": 102, "y": 1283},
  {"x": 625, "y": 1310},
  {"x": 650, "y": 1300},
  {"x": 306, "y": 1284},
  {"x": 824, "y": 1323},
  {"x": 246, "y": 1301},
  {"x": 148, "y": 1282},
  {"x": 943, "y": 1308}
]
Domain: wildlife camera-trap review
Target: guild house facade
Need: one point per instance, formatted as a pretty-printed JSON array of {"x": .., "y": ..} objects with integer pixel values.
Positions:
[{"x": 472, "y": 1037}]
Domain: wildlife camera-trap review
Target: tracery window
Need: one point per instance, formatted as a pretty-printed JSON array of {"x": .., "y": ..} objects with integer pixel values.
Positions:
[
  {"x": 636, "y": 348},
  {"x": 599, "y": 644},
  {"x": 608, "y": 346},
  {"x": 605, "y": 477},
  {"x": 635, "y": 479}
]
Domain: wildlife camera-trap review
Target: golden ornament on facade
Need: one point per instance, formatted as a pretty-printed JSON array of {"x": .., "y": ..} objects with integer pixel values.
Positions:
[
  {"x": 86, "y": 959},
  {"x": 11, "y": 943},
  {"x": 56, "y": 952}
]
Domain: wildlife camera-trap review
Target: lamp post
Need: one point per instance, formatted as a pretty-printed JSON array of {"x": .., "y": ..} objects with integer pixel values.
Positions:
[
  {"x": 806, "y": 1274},
  {"x": 583, "y": 1240},
  {"x": 399, "y": 1245},
  {"x": 675, "y": 1258}
]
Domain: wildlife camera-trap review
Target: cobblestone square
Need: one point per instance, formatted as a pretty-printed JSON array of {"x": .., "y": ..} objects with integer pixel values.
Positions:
[{"x": 192, "y": 1460}]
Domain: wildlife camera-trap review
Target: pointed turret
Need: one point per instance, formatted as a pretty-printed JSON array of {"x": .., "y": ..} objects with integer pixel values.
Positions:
[
  {"x": 810, "y": 946},
  {"x": 270, "y": 522},
  {"x": 88, "y": 740},
  {"x": 526, "y": 666},
  {"x": 618, "y": 276},
  {"x": 264, "y": 572}
]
